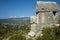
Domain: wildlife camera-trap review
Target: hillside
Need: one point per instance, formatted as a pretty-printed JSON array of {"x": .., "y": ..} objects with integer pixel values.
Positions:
[{"x": 15, "y": 20}]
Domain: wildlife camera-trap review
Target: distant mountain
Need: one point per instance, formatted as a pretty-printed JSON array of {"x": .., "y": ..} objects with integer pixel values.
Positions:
[{"x": 16, "y": 20}]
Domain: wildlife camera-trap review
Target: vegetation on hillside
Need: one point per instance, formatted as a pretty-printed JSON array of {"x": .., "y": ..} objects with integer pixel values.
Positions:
[
  {"x": 50, "y": 33},
  {"x": 19, "y": 31},
  {"x": 13, "y": 32}
]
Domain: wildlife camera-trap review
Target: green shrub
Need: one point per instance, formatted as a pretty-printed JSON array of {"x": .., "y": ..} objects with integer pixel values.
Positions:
[
  {"x": 30, "y": 39},
  {"x": 50, "y": 33},
  {"x": 19, "y": 36}
]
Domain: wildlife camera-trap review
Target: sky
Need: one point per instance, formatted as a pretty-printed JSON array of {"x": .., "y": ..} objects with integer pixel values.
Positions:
[{"x": 19, "y": 8}]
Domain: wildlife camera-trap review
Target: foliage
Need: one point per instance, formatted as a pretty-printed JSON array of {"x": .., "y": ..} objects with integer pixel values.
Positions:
[
  {"x": 18, "y": 36},
  {"x": 18, "y": 32},
  {"x": 30, "y": 39},
  {"x": 13, "y": 32},
  {"x": 50, "y": 33},
  {"x": 58, "y": 21}
]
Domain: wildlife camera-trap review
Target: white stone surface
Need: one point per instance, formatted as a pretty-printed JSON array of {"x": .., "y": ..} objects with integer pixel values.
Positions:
[
  {"x": 33, "y": 19},
  {"x": 31, "y": 33},
  {"x": 44, "y": 17}
]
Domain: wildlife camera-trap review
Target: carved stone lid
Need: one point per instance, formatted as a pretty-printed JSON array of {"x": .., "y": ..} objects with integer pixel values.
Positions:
[{"x": 46, "y": 6}]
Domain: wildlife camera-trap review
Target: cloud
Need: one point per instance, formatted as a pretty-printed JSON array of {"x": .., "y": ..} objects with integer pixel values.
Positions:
[
  {"x": 12, "y": 16},
  {"x": 27, "y": 16},
  {"x": 22, "y": 16}
]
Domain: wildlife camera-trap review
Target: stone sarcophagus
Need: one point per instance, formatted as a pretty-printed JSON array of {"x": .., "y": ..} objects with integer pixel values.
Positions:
[
  {"x": 46, "y": 12},
  {"x": 46, "y": 15}
]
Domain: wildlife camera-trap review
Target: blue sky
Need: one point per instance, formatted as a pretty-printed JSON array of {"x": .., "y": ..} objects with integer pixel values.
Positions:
[{"x": 17, "y": 8}]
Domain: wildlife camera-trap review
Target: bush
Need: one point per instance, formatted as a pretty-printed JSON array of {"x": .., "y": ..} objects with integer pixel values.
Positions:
[
  {"x": 50, "y": 33},
  {"x": 19, "y": 36},
  {"x": 30, "y": 39}
]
